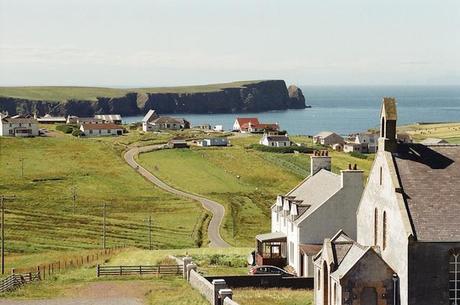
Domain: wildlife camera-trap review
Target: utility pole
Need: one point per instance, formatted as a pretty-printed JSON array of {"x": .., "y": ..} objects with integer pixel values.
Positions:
[
  {"x": 74, "y": 197},
  {"x": 2, "y": 207},
  {"x": 104, "y": 226},
  {"x": 22, "y": 166},
  {"x": 150, "y": 232}
]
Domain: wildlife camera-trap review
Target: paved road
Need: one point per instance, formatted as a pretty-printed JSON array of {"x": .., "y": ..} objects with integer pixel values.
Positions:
[{"x": 215, "y": 208}]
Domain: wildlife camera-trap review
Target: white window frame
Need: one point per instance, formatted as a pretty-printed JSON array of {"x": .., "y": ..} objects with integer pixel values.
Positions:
[{"x": 454, "y": 277}]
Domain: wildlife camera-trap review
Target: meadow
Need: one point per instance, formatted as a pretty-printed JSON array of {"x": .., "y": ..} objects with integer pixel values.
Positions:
[
  {"x": 245, "y": 181},
  {"x": 447, "y": 131}
]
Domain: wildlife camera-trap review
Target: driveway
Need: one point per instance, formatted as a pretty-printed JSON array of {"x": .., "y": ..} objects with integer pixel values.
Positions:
[{"x": 215, "y": 208}]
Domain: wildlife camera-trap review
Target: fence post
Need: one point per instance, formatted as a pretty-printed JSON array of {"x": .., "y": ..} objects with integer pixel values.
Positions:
[
  {"x": 189, "y": 268},
  {"x": 97, "y": 270},
  {"x": 140, "y": 269},
  {"x": 158, "y": 271},
  {"x": 225, "y": 293},
  {"x": 30, "y": 276},
  {"x": 187, "y": 260},
  {"x": 121, "y": 270},
  {"x": 12, "y": 271},
  {"x": 38, "y": 272},
  {"x": 217, "y": 284}
]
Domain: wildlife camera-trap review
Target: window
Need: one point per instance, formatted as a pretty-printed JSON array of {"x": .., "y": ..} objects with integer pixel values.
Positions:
[
  {"x": 318, "y": 282},
  {"x": 91, "y": 131},
  {"x": 454, "y": 277},
  {"x": 109, "y": 130},
  {"x": 380, "y": 175},
  {"x": 384, "y": 230},
  {"x": 20, "y": 124},
  {"x": 376, "y": 228},
  {"x": 30, "y": 125}
]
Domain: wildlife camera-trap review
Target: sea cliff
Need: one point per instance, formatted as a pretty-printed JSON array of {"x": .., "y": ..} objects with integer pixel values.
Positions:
[{"x": 255, "y": 96}]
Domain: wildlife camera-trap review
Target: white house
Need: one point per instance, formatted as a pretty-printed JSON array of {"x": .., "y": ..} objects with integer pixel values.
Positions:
[
  {"x": 275, "y": 140},
  {"x": 148, "y": 119},
  {"x": 100, "y": 130},
  {"x": 88, "y": 120},
  {"x": 239, "y": 122},
  {"x": 218, "y": 128},
  {"x": 218, "y": 141},
  {"x": 315, "y": 209},
  {"x": 48, "y": 119},
  {"x": 18, "y": 126}
]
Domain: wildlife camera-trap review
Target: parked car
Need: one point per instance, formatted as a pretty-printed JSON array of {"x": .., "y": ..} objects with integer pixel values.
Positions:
[{"x": 268, "y": 270}]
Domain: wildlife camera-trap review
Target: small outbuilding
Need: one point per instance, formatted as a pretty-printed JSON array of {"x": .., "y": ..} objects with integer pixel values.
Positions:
[
  {"x": 177, "y": 143},
  {"x": 102, "y": 129},
  {"x": 275, "y": 140},
  {"x": 217, "y": 141}
]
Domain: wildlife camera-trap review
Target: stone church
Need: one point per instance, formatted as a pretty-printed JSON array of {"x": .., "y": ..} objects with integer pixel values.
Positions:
[{"x": 408, "y": 229}]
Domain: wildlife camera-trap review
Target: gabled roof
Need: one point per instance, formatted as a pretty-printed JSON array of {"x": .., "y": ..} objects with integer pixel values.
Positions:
[
  {"x": 276, "y": 138},
  {"x": 389, "y": 109},
  {"x": 430, "y": 180},
  {"x": 108, "y": 117},
  {"x": 169, "y": 120},
  {"x": 17, "y": 120},
  {"x": 242, "y": 121},
  {"x": 151, "y": 114},
  {"x": 314, "y": 191},
  {"x": 273, "y": 236},
  {"x": 101, "y": 126},
  {"x": 325, "y": 134}
]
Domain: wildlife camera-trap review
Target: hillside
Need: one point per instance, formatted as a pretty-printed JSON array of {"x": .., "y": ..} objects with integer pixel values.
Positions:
[{"x": 243, "y": 96}]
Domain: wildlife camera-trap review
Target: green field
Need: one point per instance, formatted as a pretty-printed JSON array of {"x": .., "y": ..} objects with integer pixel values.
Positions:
[
  {"x": 42, "y": 217},
  {"x": 447, "y": 131},
  {"x": 245, "y": 181},
  {"x": 58, "y": 93}
]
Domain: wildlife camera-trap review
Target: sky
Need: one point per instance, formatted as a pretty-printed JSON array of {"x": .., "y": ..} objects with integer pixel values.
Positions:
[{"x": 138, "y": 43}]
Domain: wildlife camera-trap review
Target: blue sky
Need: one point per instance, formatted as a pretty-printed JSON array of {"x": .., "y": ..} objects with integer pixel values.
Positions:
[{"x": 172, "y": 42}]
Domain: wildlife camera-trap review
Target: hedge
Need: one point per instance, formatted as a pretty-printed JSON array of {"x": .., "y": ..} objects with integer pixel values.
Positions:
[
  {"x": 65, "y": 128},
  {"x": 358, "y": 155},
  {"x": 281, "y": 150}
]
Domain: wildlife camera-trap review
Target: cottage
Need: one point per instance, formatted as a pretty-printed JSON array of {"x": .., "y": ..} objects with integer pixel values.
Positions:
[
  {"x": 18, "y": 126},
  {"x": 71, "y": 119},
  {"x": 217, "y": 141},
  {"x": 89, "y": 120},
  {"x": 177, "y": 143},
  {"x": 101, "y": 129},
  {"x": 148, "y": 119},
  {"x": 328, "y": 138},
  {"x": 367, "y": 142},
  {"x": 109, "y": 118},
  {"x": 218, "y": 128},
  {"x": 349, "y": 147},
  {"x": 315, "y": 209},
  {"x": 275, "y": 140},
  {"x": 408, "y": 215},
  {"x": 239, "y": 122},
  {"x": 48, "y": 119}
]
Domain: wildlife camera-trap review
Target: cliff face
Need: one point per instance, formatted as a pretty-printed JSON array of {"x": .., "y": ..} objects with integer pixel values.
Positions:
[{"x": 253, "y": 97}]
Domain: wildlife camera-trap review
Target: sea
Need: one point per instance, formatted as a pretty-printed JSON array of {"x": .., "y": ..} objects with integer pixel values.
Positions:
[{"x": 348, "y": 109}]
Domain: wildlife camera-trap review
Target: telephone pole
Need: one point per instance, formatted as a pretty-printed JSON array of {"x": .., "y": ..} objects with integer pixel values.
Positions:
[
  {"x": 150, "y": 232},
  {"x": 74, "y": 197},
  {"x": 22, "y": 166},
  {"x": 2, "y": 207},
  {"x": 104, "y": 226}
]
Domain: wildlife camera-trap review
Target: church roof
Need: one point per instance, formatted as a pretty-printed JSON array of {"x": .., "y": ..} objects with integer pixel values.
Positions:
[
  {"x": 430, "y": 180},
  {"x": 389, "y": 108}
]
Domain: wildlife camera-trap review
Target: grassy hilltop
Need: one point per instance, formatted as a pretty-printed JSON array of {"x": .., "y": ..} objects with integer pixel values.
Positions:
[{"x": 61, "y": 93}]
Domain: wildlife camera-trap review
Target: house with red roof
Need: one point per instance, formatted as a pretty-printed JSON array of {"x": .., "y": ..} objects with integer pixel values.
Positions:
[{"x": 252, "y": 125}]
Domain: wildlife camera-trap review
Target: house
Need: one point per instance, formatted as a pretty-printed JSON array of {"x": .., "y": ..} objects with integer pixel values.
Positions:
[
  {"x": 48, "y": 119},
  {"x": 337, "y": 147},
  {"x": 71, "y": 119},
  {"x": 218, "y": 128},
  {"x": 109, "y": 118},
  {"x": 275, "y": 140},
  {"x": 18, "y": 126},
  {"x": 101, "y": 129},
  {"x": 148, "y": 119},
  {"x": 432, "y": 141},
  {"x": 403, "y": 137},
  {"x": 177, "y": 143},
  {"x": 349, "y": 147},
  {"x": 203, "y": 127},
  {"x": 217, "y": 141},
  {"x": 408, "y": 215},
  {"x": 239, "y": 122},
  {"x": 328, "y": 138},
  {"x": 89, "y": 120},
  {"x": 367, "y": 142},
  {"x": 315, "y": 209},
  {"x": 344, "y": 270}
]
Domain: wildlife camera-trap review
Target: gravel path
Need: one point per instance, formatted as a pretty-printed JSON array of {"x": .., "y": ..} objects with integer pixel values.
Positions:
[{"x": 215, "y": 208}]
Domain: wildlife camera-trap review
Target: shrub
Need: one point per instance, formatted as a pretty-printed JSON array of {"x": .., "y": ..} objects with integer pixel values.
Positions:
[
  {"x": 281, "y": 150},
  {"x": 358, "y": 155},
  {"x": 65, "y": 128},
  {"x": 77, "y": 133}
]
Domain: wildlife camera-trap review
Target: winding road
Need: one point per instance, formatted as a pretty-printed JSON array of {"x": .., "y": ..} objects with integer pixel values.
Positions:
[{"x": 215, "y": 208}]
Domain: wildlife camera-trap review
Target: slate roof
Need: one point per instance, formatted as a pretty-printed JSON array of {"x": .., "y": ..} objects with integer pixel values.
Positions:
[
  {"x": 242, "y": 121},
  {"x": 310, "y": 249},
  {"x": 314, "y": 191},
  {"x": 324, "y": 134},
  {"x": 149, "y": 116},
  {"x": 18, "y": 120},
  {"x": 169, "y": 120},
  {"x": 430, "y": 179}
]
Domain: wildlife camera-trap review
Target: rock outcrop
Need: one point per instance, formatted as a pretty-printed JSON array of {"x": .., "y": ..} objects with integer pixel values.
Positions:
[{"x": 251, "y": 97}]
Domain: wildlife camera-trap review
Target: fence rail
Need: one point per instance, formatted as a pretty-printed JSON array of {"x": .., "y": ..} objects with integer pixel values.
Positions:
[
  {"x": 139, "y": 270},
  {"x": 14, "y": 281}
]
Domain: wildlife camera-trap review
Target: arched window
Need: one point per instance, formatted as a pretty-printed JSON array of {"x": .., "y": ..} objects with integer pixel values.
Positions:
[
  {"x": 381, "y": 175},
  {"x": 454, "y": 277},
  {"x": 384, "y": 230},
  {"x": 318, "y": 281},
  {"x": 382, "y": 129},
  {"x": 376, "y": 228}
]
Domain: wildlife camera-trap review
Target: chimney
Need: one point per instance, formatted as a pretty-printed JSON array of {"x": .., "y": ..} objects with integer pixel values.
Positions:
[
  {"x": 319, "y": 160},
  {"x": 352, "y": 177}
]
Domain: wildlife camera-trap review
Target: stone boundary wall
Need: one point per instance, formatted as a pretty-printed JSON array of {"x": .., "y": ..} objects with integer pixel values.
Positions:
[
  {"x": 265, "y": 281},
  {"x": 201, "y": 284},
  {"x": 228, "y": 301}
]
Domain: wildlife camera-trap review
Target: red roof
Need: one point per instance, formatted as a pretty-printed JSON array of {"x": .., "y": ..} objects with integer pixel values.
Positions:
[
  {"x": 101, "y": 126},
  {"x": 242, "y": 121}
]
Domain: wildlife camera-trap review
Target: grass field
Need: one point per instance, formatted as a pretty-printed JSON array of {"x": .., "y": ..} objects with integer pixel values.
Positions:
[
  {"x": 57, "y": 93},
  {"x": 283, "y": 296},
  {"x": 447, "y": 131},
  {"x": 41, "y": 218},
  {"x": 245, "y": 181}
]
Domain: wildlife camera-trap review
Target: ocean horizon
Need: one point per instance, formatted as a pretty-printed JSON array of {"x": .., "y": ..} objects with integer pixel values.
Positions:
[{"x": 348, "y": 109}]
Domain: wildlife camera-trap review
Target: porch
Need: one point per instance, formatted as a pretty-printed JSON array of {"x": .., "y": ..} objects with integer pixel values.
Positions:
[{"x": 271, "y": 249}]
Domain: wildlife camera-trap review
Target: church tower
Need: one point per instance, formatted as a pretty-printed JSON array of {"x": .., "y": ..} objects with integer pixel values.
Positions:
[{"x": 388, "y": 116}]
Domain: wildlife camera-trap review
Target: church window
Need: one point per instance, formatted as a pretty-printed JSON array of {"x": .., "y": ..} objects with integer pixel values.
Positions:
[
  {"x": 380, "y": 175},
  {"x": 376, "y": 228},
  {"x": 318, "y": 281},
  {"x": 454, "y": 278},
  {"x": 384, "y": 230}
]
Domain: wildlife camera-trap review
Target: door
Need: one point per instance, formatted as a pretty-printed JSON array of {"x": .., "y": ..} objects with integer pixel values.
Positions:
[
  {"x": 302, "y": 265},
  {"x": 368, "y": 296}
]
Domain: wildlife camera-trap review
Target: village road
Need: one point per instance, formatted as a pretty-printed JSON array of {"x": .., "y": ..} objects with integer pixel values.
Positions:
[{"x": 215, "y": 208}]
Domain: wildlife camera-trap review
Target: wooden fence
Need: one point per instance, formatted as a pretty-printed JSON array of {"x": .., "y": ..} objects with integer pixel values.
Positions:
[
  {"x": 14, "y": 281},
  {"x": 48, "y": 269},
  {"x": 139, "y": 270}
]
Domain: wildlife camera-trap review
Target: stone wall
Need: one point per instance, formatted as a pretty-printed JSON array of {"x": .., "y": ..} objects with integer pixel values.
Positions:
[
  {"x": 202, "y": 285},
  {"x": 228, "y": 301}
]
